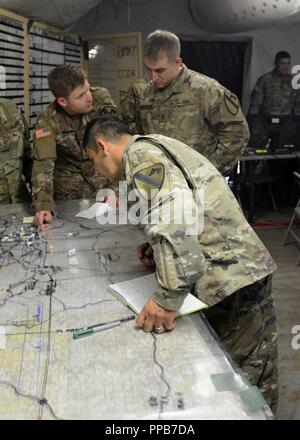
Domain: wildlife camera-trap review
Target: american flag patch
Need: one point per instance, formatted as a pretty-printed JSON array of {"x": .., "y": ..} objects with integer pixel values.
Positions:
[{"x": 42, "y": 133}]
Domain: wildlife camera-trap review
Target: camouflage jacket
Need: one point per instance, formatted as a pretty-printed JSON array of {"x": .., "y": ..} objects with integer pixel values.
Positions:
[
  {"x": 61, "y": 168},
  {"x": 273, "y": 95},
  {"x": 15, "y": 154},
  {"x": 297, "y": 103},
  {"x": 197, "y": 110},
  {"x": 219, "y": 257},
  {"x": 130, "y": 103}
]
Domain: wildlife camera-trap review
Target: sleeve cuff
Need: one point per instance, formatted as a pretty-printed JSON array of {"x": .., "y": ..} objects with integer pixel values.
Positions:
[
  {"x": 44, "y": 206},
  {"x": 169, "y": 300}
]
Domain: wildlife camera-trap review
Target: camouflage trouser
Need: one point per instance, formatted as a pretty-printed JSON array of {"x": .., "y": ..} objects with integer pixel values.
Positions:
[
  {"x": 4, "y": 194},
  {"x": 246, "y": 325},
  {"x": 13, "y": 191}
]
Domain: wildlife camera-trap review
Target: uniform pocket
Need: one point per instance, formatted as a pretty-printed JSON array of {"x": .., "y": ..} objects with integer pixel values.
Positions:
[
  {"x": 168, "y": 265},
  {"x": 69, "y": 145}
]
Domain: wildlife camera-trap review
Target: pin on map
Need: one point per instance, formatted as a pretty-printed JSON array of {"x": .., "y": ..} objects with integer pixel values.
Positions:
[{"x": 72, "y": 252}]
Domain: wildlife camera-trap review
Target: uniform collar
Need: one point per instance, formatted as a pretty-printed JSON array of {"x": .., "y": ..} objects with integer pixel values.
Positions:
[
  {"x": 132, "y": 141},
  {"x": 280, "y": 77},
  {"x": 60, "y": 110},
  {"x": 173, "y": 88},
  {"x": 75, "y": 121}
]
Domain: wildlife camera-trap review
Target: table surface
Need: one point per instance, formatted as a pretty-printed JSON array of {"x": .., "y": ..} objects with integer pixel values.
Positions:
[
  {"x": 120, "y": 373},
  {"x": 254, "y": 156}
]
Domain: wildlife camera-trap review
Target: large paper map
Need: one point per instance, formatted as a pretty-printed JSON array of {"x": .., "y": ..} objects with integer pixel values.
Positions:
[{"x": 120, "y": 373}]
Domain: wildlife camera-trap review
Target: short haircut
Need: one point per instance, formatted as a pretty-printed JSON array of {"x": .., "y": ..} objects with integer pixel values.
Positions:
[
  {"x": 64, "y": 79},
  {"x": 109, "y": 127},
  {"x": 159, "y": 42},
  {"x": 280, "y": 55}
]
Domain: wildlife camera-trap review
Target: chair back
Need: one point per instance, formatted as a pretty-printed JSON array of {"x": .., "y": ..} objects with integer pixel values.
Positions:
[{"x": 297, "y": 178}]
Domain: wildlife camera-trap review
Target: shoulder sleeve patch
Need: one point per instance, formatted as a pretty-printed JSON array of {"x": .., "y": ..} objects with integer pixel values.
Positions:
[
  {"x": 231, "y": 103},
  {"x": 45, "y": 143},
  {"x": 109, "y": 109},
  {"x": 149, "y": 181},
  {"x": 41, "y": 133}
]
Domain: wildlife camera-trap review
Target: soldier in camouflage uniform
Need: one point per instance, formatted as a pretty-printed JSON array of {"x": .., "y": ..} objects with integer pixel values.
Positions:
[
  {"x": 185, "y": 105},
  {"x": 224, "y": 264},
  {"x": 61, "y": 168},
  {"x": 15, "y": 154},
  {"x": 273, "y": 93},
  {"x": 129, "y": 105}
]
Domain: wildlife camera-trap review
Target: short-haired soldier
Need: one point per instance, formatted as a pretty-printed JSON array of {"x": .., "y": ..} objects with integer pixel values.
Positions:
[{"x": 61, "y": 168}]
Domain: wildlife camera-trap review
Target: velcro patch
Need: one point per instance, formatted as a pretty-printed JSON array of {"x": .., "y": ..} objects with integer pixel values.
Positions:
[
  {"x": 41, "y": 133},
  {"x": 232, "y": 104},
  {"x": 150, "y": 180}
]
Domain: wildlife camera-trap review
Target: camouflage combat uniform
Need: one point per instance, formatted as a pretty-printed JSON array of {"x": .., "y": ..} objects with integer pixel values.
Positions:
[
  {"x": 273, "y": 94},
  {"x": 297, "y": 103},
  {"x": 61, "y": 168},
  {"x": 15, "y": 154},
  {"x": 129, "y": 105},
  {"x": 225, "y": 265},
  {"x": 195, "y": 109}
]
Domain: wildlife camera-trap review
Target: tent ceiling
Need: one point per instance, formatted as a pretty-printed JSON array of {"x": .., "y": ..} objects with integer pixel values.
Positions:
[
  {"x": 59, "y": 13},
  {"x": 228, "y": 16},
  {"x": 215, "y": 16}
]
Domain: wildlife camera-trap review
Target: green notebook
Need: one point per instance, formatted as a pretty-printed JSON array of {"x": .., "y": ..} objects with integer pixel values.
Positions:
[{"x": 135, "y": 293}]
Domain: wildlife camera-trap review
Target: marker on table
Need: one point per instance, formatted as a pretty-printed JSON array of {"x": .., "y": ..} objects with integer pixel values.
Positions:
[
  {"x": 87, "y": 331},
  {"x": 38, "y": 313}
]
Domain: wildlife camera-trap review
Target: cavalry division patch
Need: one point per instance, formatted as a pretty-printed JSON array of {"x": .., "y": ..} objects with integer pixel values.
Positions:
[
  {"x": 150, "y": 180},
  {"x": 232, "y": 104}
]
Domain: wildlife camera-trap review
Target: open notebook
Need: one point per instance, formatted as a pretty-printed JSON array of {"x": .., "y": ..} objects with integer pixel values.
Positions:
[{"x": 135, "y": 293}]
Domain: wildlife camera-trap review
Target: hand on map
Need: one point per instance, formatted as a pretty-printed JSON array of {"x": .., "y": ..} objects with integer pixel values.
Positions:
[{"x": 155, "y": 318}]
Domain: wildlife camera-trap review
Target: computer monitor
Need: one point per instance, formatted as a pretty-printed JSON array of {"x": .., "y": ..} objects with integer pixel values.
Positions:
[
  {"x": 259, "y": 131},
  {"x": 274, "y": 134},
  {"x": 286, "y": 133}
]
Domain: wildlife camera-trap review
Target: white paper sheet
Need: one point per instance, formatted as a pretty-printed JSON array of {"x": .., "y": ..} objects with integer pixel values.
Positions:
[{"x": 95, "y": 210}]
